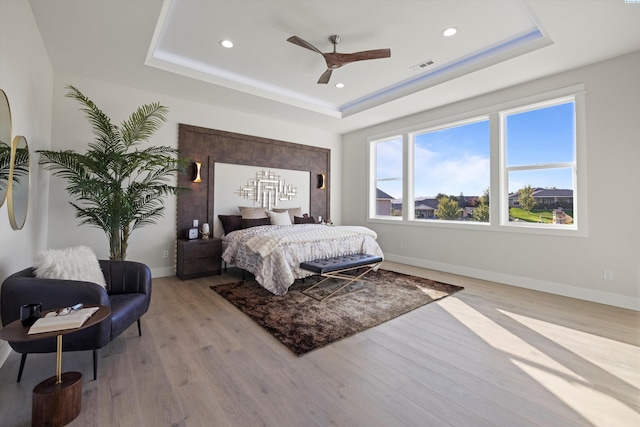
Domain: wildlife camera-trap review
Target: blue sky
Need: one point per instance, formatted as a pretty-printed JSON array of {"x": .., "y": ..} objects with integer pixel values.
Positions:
[
  {"x": 452, "y": 160},
  {"x": 456, "y": 160}
]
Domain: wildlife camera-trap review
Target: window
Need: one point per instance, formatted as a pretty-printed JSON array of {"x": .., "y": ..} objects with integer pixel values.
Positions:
[
  {"x": 451, "y": 172},
  {"x": 539, "y": 146},
  {"x": 387, "y": 192},
  {"x": 524, "y": 156}
]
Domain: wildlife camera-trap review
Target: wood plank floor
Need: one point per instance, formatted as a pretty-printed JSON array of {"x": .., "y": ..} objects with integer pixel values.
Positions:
[{"x": 491, "y": 355}]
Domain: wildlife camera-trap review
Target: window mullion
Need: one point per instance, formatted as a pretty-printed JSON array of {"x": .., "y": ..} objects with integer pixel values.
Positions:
[
  {"x": 408, "y": 210},
  {"x": 497, "y": 175}
]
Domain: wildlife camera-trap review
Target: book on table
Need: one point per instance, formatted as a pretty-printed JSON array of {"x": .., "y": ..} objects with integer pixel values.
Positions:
[{"x": 55, "y": 322}]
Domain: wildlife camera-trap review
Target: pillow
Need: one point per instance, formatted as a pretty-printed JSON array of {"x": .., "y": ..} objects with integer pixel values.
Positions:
[
  {"x": 252, "y": 213},
  {"x": 292, "y": 212},
  {"x": 279, "y": 218},
  {"x": 230, "y": 222},
  {"x": 77, "y": 263},
  {"x": 254, "y": 222},
  {"x": 304, "y": 220}
]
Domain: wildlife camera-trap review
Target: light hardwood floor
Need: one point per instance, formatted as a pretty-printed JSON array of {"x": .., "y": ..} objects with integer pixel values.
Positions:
[{"x": 491, "y": 355}]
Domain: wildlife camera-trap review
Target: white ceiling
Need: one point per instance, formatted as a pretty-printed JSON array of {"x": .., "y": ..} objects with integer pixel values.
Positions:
[{"x": 172, "y": 47}]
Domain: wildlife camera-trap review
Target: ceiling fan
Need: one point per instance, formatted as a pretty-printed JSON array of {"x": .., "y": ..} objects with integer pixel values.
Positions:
[{"x": 336, "y": 60}]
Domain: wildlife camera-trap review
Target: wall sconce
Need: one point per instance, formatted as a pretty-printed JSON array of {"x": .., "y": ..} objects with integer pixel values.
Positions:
[
  {"x": 322, "y": 178},
  {"x": 197, "y": 177}
]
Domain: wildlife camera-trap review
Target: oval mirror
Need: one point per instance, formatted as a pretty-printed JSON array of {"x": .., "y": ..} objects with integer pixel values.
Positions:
[
  {"x": 18, "y": 186},
  {"x": 5, "y": 145}
]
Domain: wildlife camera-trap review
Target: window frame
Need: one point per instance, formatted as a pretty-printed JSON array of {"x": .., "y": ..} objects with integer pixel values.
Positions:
[
  {"x": 498, "y": 175},
  {"x": 442, "y": 126},
  {"x": 373, "y": 160},
  {"x": 505, "y": 169}
]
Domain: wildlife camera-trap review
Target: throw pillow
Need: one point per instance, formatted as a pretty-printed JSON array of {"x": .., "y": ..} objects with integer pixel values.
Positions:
[
  {"x": 252, "y": 213},
  {"x": 254, "y": 222},
  {"x": 77, "y": 263},
  {"x": 304, "y": 220},
  {"x": 292, "y": 212},
  {"x": 230, "y": 223},
  {"x": 279, "y": 218}
]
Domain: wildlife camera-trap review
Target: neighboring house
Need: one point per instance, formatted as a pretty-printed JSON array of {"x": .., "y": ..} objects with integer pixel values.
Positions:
[
  {"x": 547, "y": 197},
  {"x": 425, "y": 208},
  {"x": 384, "y": 203}
]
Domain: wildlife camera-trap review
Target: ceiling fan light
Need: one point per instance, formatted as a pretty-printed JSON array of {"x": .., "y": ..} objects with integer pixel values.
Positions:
[
  {"x": 339, "y": 85},
  {"x": 448, "y": 32},
  {"x": 227, "y": 43}
]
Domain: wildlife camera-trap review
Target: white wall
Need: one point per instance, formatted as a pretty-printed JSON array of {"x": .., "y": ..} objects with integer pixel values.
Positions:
[
  {"x": 26, "y": 77},
  {"x": 71, "y": 131},
  {"x": 568, "y": 266}
]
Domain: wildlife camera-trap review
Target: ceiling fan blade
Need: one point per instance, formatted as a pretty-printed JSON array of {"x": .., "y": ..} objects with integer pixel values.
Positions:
[
  {"x": 336, "y": 60},
  {"x": 324, "y": 78},
  {"x": 365, "y": 55},
  {"x": 298, "y": 41}
]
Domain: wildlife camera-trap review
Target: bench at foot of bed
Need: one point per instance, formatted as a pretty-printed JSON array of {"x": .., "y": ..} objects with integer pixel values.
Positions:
[{"x": 335, "y": 267}]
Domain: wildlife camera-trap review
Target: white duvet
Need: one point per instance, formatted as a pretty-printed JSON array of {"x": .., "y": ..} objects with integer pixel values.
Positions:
[{"x": 273, "y": 253}]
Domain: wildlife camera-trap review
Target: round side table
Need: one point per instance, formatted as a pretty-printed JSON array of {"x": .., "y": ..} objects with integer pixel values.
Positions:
[{"x": 57, "y": 400}]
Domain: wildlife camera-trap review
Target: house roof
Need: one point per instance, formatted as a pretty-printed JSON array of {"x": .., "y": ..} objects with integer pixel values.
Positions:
[
  {"x": 547, "y": 192},
  {"x": 382, "y": 195},
  {"x": 424, "y": 207}
]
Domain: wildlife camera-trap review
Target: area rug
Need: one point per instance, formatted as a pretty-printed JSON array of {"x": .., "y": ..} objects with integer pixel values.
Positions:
[{"x": 303, "y": 323}]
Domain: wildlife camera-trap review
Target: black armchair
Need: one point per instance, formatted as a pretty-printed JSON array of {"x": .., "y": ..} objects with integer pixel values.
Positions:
[{"x": 128, "y": 295}]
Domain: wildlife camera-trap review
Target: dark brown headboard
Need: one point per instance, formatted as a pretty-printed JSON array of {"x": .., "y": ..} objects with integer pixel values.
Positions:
[{"x": 209, "y": 146}]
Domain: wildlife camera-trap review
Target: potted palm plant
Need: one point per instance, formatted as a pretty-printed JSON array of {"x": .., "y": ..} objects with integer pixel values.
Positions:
[{"x": 117, "y": 185}]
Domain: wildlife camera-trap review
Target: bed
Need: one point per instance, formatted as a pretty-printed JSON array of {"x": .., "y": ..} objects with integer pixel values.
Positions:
[{"x": 273, "y": 253}]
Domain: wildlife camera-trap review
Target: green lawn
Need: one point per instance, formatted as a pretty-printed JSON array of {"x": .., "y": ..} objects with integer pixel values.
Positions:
[{"x": 544, "y": 216}]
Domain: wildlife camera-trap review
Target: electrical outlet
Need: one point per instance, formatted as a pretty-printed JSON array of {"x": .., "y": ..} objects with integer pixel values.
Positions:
[
  {"x": 165, "y": 254},
  {"x": 401, "y": 245},
  {"x": 607, "y": 274}
]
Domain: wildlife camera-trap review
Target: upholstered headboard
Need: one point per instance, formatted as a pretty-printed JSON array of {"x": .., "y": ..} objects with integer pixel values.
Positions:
[{"x": 209, "y": 146}]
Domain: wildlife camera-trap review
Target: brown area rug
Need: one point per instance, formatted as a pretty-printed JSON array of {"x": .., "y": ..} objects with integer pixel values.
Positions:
[{"x": 303, "y": 323}]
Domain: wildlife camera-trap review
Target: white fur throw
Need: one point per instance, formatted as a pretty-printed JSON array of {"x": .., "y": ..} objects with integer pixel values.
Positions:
[{"x": 77, "y": 263}]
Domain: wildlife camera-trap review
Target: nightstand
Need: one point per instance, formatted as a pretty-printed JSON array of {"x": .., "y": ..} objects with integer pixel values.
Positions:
[{"x": 199, "y": 257}]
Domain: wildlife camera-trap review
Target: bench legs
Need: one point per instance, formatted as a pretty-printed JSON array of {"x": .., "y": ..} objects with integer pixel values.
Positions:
[{"x": 337, "y": 274}]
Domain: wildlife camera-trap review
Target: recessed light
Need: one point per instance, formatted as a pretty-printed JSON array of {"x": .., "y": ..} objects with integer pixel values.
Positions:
[
  {"x": 449, "y": 31},
  {"x": 339, "y": 85},
  {"x": 227, "y": 43}
]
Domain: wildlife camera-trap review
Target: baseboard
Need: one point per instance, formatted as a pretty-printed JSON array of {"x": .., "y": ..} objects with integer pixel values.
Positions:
[
  {"x": 164, "y": 271},
  {"x": 632, "y": 303},
  {"x": 5, "y": 351}
]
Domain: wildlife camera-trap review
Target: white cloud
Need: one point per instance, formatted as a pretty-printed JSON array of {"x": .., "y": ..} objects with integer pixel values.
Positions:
[{"x": 466, "y": 173}]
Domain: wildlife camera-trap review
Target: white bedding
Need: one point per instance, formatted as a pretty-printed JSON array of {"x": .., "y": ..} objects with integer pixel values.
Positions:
[{"x": 273, "y": 253}]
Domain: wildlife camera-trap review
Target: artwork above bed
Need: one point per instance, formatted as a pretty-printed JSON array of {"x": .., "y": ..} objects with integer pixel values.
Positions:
[{"x": 266, "y": 188}]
